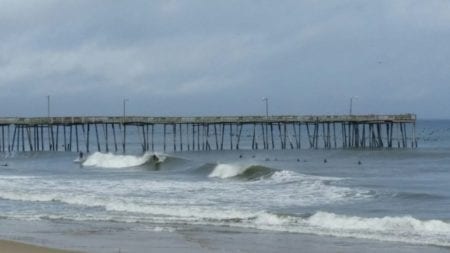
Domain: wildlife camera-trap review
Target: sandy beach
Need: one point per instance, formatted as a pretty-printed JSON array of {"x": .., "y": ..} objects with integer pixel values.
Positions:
[{"x": 17, "y": 247}]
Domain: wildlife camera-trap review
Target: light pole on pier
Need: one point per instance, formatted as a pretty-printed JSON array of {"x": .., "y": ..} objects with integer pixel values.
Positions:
[
  {"x": 351, "y": 104},
  {"x": 125, "y": 100},
  {"x": 48, "y": 106},
  {"x": 266, "y": 138},
  {"x": 49, "y": 126},
  {"x": 266, "y": 99}
]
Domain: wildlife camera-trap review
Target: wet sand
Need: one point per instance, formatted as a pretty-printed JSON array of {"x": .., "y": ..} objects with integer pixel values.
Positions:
[
  {"x": 199, "y": 239},
  {"x": 17, "y": 247}
]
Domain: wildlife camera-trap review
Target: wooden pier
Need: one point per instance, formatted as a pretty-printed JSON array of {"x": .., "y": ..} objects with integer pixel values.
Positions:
[{"x": 174, "y": 134}]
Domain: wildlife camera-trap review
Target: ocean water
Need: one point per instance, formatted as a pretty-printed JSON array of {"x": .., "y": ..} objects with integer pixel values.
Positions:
[{"x": 234, "y": 201}]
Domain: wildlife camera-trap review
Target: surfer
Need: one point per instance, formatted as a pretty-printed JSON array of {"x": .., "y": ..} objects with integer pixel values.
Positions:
[
  {"x": 154, "y": 158},
  {"x": 80, "y": 159}
]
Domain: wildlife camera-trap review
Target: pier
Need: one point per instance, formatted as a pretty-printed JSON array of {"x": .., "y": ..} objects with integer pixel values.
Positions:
[{"x": 176, "y": 134}]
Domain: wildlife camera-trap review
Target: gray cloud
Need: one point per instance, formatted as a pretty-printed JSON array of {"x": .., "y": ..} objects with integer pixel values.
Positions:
[{"x": 221, "y": 57}]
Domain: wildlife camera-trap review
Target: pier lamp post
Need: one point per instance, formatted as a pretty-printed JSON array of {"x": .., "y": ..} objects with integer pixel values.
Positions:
[
  {"x": 266, "y": 145},
  {"x": 125, "y": 100},
  {"x": 351, "y": 104},
  {"x": 49, "y": 126},
  {"x": 48, "y": 106},
  {"x": 266, "y": 99}
]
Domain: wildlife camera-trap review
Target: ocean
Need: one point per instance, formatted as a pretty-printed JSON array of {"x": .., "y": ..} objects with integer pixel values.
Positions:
[{"x": 338, "y": 200}]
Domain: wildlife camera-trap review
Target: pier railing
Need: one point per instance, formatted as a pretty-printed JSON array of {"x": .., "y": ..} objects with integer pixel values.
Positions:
[{"x": 115, "y": 133}]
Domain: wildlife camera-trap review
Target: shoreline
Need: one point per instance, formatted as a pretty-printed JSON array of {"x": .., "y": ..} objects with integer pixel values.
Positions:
[
  {"x": 8, "y": 246},
  {"x": 203, "y": 239}
]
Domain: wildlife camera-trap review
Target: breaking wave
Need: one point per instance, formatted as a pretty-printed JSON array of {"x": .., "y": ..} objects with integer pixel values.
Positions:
[
  {"x": 110, "y": 160},
  {"x": 128, "y": 201},
  {"x": 255, "y": 172},
  {"x": 248, "y": 172},
  {"x": 405, "y": 229}
]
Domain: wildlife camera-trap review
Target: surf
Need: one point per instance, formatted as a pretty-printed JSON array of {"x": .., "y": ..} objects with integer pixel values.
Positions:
[
  {"x": 388, "y": 228},
  {"x": 405, "y": 229},
  {"x": 248, "y": 172},
  {"x": 115, "y": 161}
]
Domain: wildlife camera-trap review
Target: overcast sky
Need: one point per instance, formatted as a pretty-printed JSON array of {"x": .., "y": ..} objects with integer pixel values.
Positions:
[{"x": 221, "y": 57}]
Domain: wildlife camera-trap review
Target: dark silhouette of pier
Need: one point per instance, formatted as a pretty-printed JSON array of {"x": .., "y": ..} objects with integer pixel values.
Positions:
[{"x": 115, "y": 134}]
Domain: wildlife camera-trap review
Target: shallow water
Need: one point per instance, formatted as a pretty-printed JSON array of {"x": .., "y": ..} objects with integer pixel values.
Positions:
[{"x": 355, "y": 196}]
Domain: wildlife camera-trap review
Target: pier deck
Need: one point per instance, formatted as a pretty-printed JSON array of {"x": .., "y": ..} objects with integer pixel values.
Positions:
[
  {"x": 114, "y": 134},
  {"x": 402, "y": 118}
]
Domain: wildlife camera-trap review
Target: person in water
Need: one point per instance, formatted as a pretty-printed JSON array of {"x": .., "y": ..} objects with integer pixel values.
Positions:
[
  {"x": 155, "y": 158},
  {"x": 81, "y": 155}
]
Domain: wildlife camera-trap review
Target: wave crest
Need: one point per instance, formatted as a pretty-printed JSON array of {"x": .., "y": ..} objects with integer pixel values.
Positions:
[
  {"x": 405, "y": 229},
  {"x": 110, "y": 160},
  {"x": 248, "y": 172},
  {"x": 384, "y": 224}
]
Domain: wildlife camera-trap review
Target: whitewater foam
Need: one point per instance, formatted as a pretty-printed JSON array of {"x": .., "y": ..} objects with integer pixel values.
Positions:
[
  {"x": 147, "y": 196},
  {"x": 404, "y": 224},
  {"x": 223, "y": 170},
  {"x": 404, "y": 229},
  {"x": 129, "y": 201},
  {"x": 110, "y": 160}
]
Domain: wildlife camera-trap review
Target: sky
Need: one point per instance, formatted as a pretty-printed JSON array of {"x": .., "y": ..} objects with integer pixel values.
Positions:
[{"x": 201, "y": 57}]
